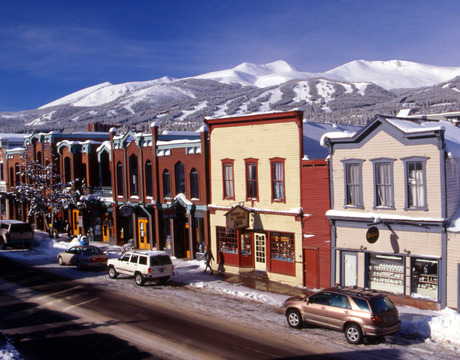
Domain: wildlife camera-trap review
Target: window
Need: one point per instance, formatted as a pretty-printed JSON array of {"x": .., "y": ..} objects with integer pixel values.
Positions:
[
  {"x": 17, "y": 169},
  {"x": 353, "y": 183},
  {"x": 252, "y": 192},
  {"x": 415, "y": 184},
  {"x": 227, "y": 170},
  {"x": 166, "y": 184},
  {"x": 180, "y": 178},
  {"x": 67, "y": 170},
  {"x": 1, "y": 172},
  {"x": 383, "y": 181},
  {"x": 119, "y": 179},
  {"x": 194, "y": 188},
  {"x": 148, "y": 179},
  {"x": 277, "y": 166},
  {"x": 227, "y": 241},
  {"x": 282, "y": 246},
  {"x": 133, "y": 176}
]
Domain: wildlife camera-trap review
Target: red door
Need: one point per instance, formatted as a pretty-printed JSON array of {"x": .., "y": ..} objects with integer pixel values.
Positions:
[{"x": 311, "y": 272}]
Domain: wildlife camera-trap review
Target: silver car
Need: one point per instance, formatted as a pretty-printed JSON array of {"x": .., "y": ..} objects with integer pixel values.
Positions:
[{"x": 83, "y": 256}]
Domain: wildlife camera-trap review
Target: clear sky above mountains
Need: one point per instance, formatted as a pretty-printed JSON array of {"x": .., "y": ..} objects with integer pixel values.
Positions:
[{"x": 52, "y": 48}]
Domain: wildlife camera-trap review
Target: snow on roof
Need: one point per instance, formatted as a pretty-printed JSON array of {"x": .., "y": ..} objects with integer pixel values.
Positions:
[
  {"x": 371, "y": 216},
  {"x": 314, "y": 134}
]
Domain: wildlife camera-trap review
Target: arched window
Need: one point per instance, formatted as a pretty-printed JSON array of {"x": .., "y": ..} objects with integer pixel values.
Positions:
[
  {"x": 17, "y": 170},
  {"x": 119, "y": 178},
  {"x": 39, "y": 157},
  {"x": 166, "y": 184},
  {"x": 180, "y": 178},
  {"x": 67, "y": 170},
  {"x": 148, "y": 178},
  {"x": 133, "y": 176},
  {"x": 194, "y": 185},
  {"x": 12, "y": 177}
]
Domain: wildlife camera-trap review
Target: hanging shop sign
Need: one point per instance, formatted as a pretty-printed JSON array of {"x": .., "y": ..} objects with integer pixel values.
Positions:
[
  {"x": 237, "y": 218},
  {"x": 169, "y": 213},
  {"x": 126, "y": 210},
  {"x": 372, "y": 235}
]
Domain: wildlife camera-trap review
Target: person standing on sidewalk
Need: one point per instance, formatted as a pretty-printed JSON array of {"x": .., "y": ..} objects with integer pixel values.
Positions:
[{"x": 207, "y": 258}]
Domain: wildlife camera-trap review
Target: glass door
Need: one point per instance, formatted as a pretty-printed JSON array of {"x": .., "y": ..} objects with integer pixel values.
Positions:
[{"x": 260, "y": 242}]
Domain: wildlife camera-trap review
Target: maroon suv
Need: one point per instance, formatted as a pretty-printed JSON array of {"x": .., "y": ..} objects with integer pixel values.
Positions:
[{"x": 357, "y": 312}]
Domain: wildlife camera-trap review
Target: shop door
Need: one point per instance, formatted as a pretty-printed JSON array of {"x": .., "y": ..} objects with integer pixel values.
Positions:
[
  {"x": 260, "y": 263},
  {"x": 105, "y": 229},
  {"x": 350, "y": 271},
  {"x": 311, "y": 279},
  {"x": 143, "y": 234},
  {"x": 75, "y": 222}
]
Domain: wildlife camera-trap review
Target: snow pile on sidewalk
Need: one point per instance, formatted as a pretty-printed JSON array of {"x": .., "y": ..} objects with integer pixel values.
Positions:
[{"x": 441, "y": 326}]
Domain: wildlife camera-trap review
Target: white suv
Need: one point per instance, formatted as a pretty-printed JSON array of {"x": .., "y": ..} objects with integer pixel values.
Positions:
[{"x": 143, "y": 265}]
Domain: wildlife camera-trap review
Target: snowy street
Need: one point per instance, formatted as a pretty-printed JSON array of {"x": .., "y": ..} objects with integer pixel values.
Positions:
[{"x": 204, "y": 299}]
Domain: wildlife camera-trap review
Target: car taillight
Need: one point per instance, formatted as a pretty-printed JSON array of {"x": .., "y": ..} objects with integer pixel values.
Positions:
[
  {"x": 149, "y": 270},
  {"x": 377, "y": 319}
]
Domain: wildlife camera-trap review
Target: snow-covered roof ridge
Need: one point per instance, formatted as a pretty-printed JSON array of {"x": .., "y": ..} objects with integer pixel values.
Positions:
[{"x": 372, "y": 216}]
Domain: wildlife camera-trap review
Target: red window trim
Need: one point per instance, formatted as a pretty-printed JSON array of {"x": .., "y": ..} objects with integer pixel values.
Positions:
[
  {"x": 255, "y": 162},
  {"x": 272, "y": 174},
  {"x": 224, "y": 163}
]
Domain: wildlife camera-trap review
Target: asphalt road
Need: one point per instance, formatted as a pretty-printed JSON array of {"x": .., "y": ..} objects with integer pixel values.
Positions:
[{"x": 60, "y": 318}]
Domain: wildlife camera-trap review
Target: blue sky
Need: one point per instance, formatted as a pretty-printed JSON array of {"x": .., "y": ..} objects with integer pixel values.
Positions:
[{"x": 52, "y": 48}]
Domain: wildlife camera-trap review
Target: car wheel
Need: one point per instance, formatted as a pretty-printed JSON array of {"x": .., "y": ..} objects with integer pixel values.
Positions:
[
  {"x": 353, "y": 334},
  {"x": 112, "y": 273},
  {"x": 139, "y": 279},
  {"x": 294, "y": 319},
  {"x": 79, "y": 266},
  {"x": 60, "y": 260}
]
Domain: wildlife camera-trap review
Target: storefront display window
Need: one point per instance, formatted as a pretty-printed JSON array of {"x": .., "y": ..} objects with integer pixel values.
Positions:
[
  {"x": 246, "y": 243},
  {"x": 425, "y": 277},
  {"x": 386, "y": 273},
  {"x": 282, "y": 246},
  {"x": 227, "y": 240}
]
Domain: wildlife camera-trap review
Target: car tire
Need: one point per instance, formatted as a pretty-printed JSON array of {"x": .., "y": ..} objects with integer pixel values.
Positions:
[
  {"x": 60, "y": 260},
  {"x": 294, "y": 319},
  {"x": 139, "y": 279},
  {"x": 112, "y": 273},
  {"x": 354, "y": 334}
]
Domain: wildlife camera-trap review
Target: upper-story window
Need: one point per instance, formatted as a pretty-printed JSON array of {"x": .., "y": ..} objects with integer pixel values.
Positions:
[
  {"x": 383, "y": 183},
  {"x": 194, "y": 185},
  {"x": 148, "y": 179},
  {"x": 1, "y": 172},
  {"x": 415, "y": 175},
  {"x": 353, "y": 183},
  {"x": 277, "y": 176},
  {"x": 39, "y": 157},
  {"x": 227, "y": 176},
  {"x": 67, "y": 170},
  {"x": 252, "y": 186},
  {"x": 180, "y": 178},
  {"x": 166, "y": 184},
  {"x": 133, "y": 176},
  {"x": 17, "y": 169},
  {"x": 120, "y": 179}
]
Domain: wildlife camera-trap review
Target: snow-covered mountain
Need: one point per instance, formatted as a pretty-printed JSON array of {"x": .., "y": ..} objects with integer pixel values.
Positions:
[
  {"x": 351, "y": 93},
  {"x": 393, "y": 74}
]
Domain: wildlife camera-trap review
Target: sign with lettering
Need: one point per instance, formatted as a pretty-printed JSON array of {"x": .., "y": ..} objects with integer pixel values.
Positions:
[
  {"x": 126, "y": 210},
  {"x": 237, "y": 218},
  {"x": 372, "y": 235}
]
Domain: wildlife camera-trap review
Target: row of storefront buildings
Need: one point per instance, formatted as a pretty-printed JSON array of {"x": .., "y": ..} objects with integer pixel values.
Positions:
[{"x": 306, "y": 204}]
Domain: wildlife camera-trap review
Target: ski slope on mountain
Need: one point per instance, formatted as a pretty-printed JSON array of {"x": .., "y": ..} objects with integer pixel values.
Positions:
[{"x": 393, "y": 74}]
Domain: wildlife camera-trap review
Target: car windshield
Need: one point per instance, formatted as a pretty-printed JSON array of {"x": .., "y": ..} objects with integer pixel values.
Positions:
[
  {"x": 381, "y": 305},
  {"x": 160, "y": 260}
]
